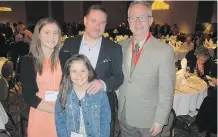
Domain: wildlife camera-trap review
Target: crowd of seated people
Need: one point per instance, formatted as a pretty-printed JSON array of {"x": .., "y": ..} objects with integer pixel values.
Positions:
[
  {"x": 10, "y": 37},
  {"x": 14, "y": 41},
  {"x": 72, "y": 29}
]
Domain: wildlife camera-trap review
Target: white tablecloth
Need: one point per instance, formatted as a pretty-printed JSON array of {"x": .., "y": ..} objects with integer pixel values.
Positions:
[
  {"x": 3, "y": 117},
  {"x": 179, "y": 54},
  {"x": 189, "y": 95}
]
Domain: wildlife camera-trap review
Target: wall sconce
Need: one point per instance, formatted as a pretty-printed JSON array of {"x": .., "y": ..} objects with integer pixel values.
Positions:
[{"x": 5, "y": 9}]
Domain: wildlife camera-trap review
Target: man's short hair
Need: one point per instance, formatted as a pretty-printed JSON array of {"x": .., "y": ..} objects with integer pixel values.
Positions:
[
  {"x": 147, "y": 4},
  {"x": 96, "y": 7}
]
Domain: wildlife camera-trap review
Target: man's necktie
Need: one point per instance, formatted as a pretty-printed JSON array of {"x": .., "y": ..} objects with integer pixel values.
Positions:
[{"x": 136, "y": 50}]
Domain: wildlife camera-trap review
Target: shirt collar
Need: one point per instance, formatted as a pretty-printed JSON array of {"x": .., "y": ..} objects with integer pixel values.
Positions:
[
  {"x": 98, "y": 44},
  {"x": 141, "y": 43}
]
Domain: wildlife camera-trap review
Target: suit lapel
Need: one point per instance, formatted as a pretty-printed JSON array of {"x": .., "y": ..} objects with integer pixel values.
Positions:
[
  {"x": 76, "y": 46},
  {"x": 144, "y": 56},
  {"x": 102, "y": 54},
  {"x": 127, "y": 58}
]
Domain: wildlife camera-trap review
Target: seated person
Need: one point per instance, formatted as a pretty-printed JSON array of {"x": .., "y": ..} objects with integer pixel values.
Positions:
[
  {"x": 188, "y": 44},
  {"x": 18, "y": 49},
  {"x": 206, "y": 119},
  {"x": 199, "y": 60},
  {"x": 174, "y": 30}
]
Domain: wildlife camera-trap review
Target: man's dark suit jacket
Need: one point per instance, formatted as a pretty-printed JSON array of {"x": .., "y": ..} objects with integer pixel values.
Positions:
[
  {"x": 18, "y": 49},
  {"x": 108, "y": 67},
  {"x": 109, "y": 64}
]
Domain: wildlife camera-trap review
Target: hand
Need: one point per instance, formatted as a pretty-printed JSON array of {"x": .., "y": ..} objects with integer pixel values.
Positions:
[
  {"x": 46, "y": 107},
  {"x": 214, "y": 81},
  {"x": 95, "y": 86},
  {"x": 155, "y": 130}
]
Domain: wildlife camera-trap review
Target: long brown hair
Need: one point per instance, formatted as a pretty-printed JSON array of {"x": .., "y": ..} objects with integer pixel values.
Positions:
[
  {"x": 36, "y": 49},
  {"x": 66, "y": 84}
]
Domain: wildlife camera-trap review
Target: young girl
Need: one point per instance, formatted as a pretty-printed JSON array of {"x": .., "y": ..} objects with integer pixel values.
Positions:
[
  {"x": 40, "y": 76},
  {"x": 78, "y": 114}
]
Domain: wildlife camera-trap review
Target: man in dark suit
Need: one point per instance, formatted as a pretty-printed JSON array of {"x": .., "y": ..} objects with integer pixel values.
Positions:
[
  {"x": 104, "y": 55},
  {"x": 8, "y": 31},
  {"x": 18, "y": 49}
]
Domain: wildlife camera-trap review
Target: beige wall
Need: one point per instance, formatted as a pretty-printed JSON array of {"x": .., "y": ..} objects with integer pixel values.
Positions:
[
  {"x": 116, "y": 12},
  {"x": 182, "y": 13},
  {"x": 18, "y": 12},
  {"x": 69, "y": 7},
  {"x": 214, "y": 15}
]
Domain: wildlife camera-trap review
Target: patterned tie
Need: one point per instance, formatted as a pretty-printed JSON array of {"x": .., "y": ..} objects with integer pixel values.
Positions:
[{"x": 136, "y": 50}]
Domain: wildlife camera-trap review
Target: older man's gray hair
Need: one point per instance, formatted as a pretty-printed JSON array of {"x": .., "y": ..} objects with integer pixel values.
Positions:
[
  {"x": 147, "y": 4},
  {"x": 202, "y": 52}
]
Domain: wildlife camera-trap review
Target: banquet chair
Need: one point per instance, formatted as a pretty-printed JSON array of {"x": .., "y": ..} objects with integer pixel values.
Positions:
[
  {"x": 4, "y": 97},
  {"x": 173, "y": 122},
  {"x": 168, "y": 130},
  {"x": 6, "y": 71},
  {"x": 185, "y": 122},
  {"x": 4, "y": 133},
  {"x": 24, "y": 116}
]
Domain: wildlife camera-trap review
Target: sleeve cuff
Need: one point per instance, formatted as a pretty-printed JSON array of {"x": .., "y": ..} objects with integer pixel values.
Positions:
[
  {"x": 105, "y": 87},
  {"x": 158, "y": 125},
  {"x": 38, "y": 101}
]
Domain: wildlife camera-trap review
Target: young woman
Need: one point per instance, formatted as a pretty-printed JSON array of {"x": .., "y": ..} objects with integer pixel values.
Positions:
[
  {"x": 40, "y": 77},
  {"x": 78, "y": 114}
]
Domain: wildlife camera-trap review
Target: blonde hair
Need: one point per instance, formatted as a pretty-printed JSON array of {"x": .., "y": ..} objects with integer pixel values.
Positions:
[
  {"x": 28, "y": 36},
  {"x": 21, "y": 28},
  {"x": 36, "y": 49}
]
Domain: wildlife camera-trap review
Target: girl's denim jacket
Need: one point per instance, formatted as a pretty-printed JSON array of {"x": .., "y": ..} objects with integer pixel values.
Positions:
[{"x": 96, "y": 113}]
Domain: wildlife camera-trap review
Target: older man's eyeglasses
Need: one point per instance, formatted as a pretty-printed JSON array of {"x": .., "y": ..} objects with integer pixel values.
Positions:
[{"x": 141, "y": 18}]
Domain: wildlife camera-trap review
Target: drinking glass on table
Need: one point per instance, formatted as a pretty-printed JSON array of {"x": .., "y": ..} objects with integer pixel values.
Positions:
[
  {"x": 195, "y": 72},
  {"x": 187, "y": 73},
  {"x": 188, "y": 69}
]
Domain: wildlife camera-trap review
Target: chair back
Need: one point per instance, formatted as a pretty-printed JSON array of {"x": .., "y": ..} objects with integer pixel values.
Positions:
[
  {"x": 168, "y": 129},
  {"x": 4, "y": 133},
  {"x": 3, "y": 89},
  {"x": 6, "y": 67}
]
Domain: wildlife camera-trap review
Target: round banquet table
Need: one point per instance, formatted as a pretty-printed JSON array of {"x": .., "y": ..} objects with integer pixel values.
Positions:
[
  {"x": 179, "y": 54},
  {"x": 189, "y": 95},
  {"x": 3, "y": 117}
]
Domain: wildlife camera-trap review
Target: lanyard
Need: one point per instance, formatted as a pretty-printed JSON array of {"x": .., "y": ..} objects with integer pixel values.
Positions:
[{"x": 136, "y": 58}]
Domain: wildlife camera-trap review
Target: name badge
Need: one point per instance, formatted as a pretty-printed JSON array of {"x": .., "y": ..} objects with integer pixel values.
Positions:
[
  {"x": 51, "y": 96},
  {"x": 74, "y": 134}
]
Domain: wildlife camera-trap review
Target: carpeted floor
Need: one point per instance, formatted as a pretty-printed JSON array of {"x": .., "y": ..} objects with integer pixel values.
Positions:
[{"x": 16, "y": 105}]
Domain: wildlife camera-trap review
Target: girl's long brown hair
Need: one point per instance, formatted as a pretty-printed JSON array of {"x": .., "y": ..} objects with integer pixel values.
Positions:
[{"x": 36, "y": 49}]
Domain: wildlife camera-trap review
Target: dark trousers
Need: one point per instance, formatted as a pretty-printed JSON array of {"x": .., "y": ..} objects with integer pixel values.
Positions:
[
  {"x": 112, "y": 97},
  {"x": 206, "y": 118}
]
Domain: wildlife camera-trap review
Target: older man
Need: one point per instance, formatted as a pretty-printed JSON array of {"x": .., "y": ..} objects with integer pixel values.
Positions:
[{"x": 146, "y": 96}]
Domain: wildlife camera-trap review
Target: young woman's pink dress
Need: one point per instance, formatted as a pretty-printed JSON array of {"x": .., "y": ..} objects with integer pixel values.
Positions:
[{"x": 42, "y": 124}]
